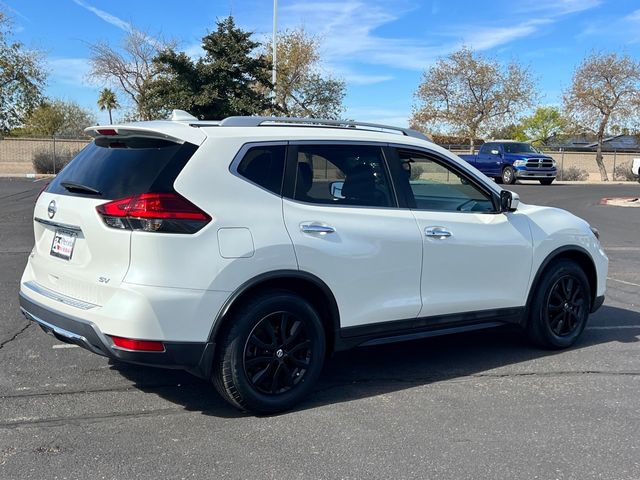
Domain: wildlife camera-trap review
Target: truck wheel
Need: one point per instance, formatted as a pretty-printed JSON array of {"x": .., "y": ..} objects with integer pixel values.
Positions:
[
  {"x": 272, "y": 353},
  {"x": 508, "y": 176},
  {"x": 546, "y": 181}
]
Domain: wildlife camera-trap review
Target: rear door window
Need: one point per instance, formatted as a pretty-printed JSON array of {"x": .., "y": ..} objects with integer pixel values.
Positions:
[
  {"x": 111, "y": 169},
  {"x": 264, "y": 166},
  {"x": 345, "y": 174}
]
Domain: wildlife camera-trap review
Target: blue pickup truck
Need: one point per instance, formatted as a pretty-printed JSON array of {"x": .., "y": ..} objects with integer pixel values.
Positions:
[{"x": 508, "y": 161}]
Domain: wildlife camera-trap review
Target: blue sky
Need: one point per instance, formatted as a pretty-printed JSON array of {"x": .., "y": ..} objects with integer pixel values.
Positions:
[{"x": 381, "y": 48}]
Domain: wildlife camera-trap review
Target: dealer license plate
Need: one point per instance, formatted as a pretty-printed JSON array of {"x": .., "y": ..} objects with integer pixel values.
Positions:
[{"x": 63, "y": 243}]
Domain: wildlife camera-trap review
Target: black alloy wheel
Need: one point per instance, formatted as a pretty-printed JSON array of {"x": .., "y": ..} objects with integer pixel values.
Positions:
[
  {"x": 560, "y": 305},
  {"x": 566, "y": 306},
  {"x": 271, "y": 352},
  {"x": 277, "y": 354}
]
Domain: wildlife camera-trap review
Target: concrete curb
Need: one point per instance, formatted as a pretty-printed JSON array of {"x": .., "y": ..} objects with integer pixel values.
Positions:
[{"x": 27, "y": 175}]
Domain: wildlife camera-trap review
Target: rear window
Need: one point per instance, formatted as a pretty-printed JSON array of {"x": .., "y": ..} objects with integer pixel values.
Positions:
[{"x": 123, "y": 167}]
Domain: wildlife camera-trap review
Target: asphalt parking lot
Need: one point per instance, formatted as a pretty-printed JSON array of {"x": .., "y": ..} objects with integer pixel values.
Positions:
[{"x": 478, "y": 405}]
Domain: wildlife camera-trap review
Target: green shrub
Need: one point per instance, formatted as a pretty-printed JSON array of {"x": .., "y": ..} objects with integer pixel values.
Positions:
[
  {"x": 43, "y": 161},
  {"x": 574, "y": 174},
  {"x": 623, "y": 172}
]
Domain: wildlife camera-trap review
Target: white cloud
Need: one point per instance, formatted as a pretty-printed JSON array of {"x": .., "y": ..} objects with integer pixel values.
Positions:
[
  {"x": 485, "y": 38},
  {"x": 70, "y": 71},
  {"x": 107, "y": 17},
  {"x": 14, "y": 12},
  {"x": 395, "y": 117},
  {"x": 194, "y": 50},
  {"x": 555, "y": 8},
  {"x": 349, "y": 31},
  {"x": 633, "y": 16},
  {"x": 624, "y": 29}
]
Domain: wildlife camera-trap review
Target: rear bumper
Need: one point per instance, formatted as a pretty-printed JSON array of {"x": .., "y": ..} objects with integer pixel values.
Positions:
[{"x": 195, "y": 357}]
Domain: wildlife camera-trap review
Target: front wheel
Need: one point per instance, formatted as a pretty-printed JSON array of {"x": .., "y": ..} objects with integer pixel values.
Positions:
[
  {"x": 272, "y": 353},
  {"x": 508, "y": 176},
  {"x": 560, "y": 306},
  {"x": 546, "y": 181}
]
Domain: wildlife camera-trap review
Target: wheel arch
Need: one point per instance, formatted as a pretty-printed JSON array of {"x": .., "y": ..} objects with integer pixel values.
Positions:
[
  {"x": 576, "y": 254},
  {"x": 305, "y": 284}
]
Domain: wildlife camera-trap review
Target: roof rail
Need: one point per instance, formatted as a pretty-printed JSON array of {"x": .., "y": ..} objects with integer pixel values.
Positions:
[{"x": 260, "y": 121}]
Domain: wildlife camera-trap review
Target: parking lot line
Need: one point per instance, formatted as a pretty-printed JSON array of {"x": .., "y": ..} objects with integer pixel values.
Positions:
[
  {"x": 65, "y": 345},
  {"x": 624, "y": 281},
  {"x": 614, "y": 327}
]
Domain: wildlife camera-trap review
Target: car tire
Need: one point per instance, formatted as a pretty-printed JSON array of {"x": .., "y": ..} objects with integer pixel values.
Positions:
[
  {"x": 560, "y": 306},
  {"x": 271, "y": 354},
  {"x": 546, "y": 181},
  {"x": 498, "y": 180},
  {"x": 508, "y": 176}
]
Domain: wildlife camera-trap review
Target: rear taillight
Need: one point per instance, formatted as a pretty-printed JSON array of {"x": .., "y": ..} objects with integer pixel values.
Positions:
[
  {"x": 138, "y": 345},
  {"x": 154, "y": 212}
]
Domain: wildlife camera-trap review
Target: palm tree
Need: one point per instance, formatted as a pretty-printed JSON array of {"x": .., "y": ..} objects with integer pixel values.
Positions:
[{"x": 108, "y": 101}]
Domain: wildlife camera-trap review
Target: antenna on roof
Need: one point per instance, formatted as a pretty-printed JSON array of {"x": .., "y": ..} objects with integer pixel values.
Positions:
[{"x": 181, "y": 116}]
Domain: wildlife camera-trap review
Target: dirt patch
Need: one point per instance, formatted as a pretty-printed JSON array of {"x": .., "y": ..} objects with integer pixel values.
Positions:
[{"x": 621, "y": 201}]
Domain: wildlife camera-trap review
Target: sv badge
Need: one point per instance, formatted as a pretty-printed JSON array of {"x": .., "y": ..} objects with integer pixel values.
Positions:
[{"x": 104, "y": 280}]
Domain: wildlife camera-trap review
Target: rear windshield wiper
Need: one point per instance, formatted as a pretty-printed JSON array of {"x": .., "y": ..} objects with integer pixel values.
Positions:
[{"x": 79, "y": 188}]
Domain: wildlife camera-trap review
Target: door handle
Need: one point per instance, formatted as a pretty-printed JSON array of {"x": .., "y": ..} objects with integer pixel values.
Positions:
[
  {"x": 317, "y": 228},
  {"x": 437, "y": 232}
]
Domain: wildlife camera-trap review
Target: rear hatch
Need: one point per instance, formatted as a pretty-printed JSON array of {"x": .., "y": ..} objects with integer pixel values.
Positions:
[{"x": 82, "y": 221}]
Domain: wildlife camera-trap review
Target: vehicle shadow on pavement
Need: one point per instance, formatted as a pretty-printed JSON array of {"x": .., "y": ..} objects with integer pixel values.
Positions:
[{"x": 369, "y": 371}]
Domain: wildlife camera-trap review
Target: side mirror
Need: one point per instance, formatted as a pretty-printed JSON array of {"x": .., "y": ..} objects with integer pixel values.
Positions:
[
  {"x": 336, "y": 189},
  {"x": 508, "y": 201},
  {"x": 495, "y": 152}
]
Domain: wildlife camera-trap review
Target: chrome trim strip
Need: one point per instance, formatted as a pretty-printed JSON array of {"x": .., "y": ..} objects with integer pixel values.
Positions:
[
  {"x": 57, "y": 224},
  {"x": 53, "y": 329},
  {"x": 58, "y": 297}
]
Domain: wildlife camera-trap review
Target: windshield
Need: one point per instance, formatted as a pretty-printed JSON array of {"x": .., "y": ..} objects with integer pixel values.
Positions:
[{"x": 519, "y": 147}]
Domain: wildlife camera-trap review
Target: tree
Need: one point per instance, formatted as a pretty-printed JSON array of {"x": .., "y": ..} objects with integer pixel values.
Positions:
[
  {"x": 108, "y": 101},
  {"x": 301, "y": 88},
  {"x": 227, "y": 80},
  {"x": 605, "y": 88},
  {"x": 22, "y": 78},
  {"x": 545, "y": 123},
  {"x": 57, "y": 118},
  {"x": 512, "y": 131},
  {"x": 470, "y": 94},
  {"x": 130, "y": 69}
]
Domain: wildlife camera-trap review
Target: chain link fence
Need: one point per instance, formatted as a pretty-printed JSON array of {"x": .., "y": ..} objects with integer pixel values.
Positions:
[
  {"x": 23, "y": 156},
  {"x": 27, "y": 156}
]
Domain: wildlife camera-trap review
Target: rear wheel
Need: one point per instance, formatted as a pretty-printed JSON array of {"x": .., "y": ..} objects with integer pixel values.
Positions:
[
  {"x": 546, "y": 181},
  {"x": 508, "y": 176},
  {"x": 560, "y": 306},
  {"x": 498, "y": 179},
  {"x": 272, "y": 353}
]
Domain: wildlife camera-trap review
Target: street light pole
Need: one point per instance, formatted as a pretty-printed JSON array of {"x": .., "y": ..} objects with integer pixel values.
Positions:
[{"x": 274, "y": 47}]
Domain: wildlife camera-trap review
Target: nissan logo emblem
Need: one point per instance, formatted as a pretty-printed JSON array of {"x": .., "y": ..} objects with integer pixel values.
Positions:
[{"x": 52, "y": 209}]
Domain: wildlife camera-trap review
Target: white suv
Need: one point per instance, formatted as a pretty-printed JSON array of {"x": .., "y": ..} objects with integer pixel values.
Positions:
[{"x": 245, "y": 251}]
